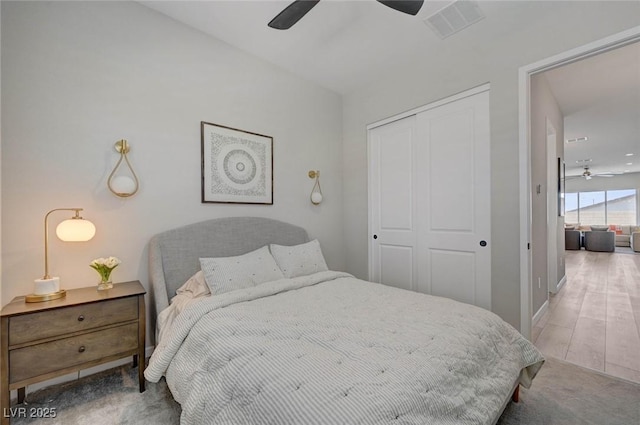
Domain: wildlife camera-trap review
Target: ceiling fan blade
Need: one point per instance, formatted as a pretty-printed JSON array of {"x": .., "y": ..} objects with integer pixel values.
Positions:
[
  {"x": 292, "y": 14},
  {"x": 411, "y": 7}
]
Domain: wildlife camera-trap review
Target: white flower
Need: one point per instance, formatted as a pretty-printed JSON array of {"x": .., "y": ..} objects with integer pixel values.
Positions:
[
  {"x": 111, "y": 262},
  {"x": 104, "y": 266},
  {"x": 97, "y": 262}
]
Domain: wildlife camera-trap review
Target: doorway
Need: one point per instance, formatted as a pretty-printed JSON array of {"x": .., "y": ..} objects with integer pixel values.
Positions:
[{"x": 576, "y": 264}]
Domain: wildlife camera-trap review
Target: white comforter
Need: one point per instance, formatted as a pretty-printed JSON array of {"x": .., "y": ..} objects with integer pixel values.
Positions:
[{"x": 331, "y": 349}]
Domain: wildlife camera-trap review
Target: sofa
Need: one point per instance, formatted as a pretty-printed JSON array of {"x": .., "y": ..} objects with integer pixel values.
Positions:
[
  {"x": 600, "y": 240},
  {"x": 635, "y": 241},
  {"x": 624, "y": 236},
  {"x": 572, "y": 239},
  {"x": 624, "y": 233}
]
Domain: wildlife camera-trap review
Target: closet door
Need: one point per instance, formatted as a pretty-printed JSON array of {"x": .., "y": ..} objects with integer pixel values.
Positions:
[
  {"x": 429, "y": 201},
  {"x": 454, "y": 200},
  {"x": 392, "y": 253}
]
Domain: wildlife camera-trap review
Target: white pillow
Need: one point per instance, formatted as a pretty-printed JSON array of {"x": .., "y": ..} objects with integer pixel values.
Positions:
[
  {"x": 599, "y": 228},
  {"x": 226, "y": 274},
  {"x": 195, "y": 287},
  {"x": 299, "y": 260}
]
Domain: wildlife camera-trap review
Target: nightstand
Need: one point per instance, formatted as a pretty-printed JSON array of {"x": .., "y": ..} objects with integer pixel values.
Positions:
[{"x": 40, "y": 341}]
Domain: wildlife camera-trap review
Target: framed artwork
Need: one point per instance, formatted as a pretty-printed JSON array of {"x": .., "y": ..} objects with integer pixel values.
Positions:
[
  {"x": 237, "y": 165},
  {"x": 561, "y": 187}
]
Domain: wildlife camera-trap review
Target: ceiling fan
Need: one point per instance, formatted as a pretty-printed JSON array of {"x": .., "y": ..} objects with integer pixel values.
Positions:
[
  {"x": 587, "y": 174},
  {"x": 296, "y": 10}
]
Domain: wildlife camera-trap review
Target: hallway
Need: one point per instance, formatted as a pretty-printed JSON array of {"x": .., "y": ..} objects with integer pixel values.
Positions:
[{"x": 594, "y": 320}]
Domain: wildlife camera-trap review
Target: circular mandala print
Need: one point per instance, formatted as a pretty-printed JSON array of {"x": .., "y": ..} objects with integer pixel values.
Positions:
[{"x": 239, "y": 166}]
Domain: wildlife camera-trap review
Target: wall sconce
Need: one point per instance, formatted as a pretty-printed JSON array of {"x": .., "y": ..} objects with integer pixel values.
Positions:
[
  {"x": 316, "y": 192},
  {"x": 123, "y": 185},
  {"x": 75, "y": 229}
]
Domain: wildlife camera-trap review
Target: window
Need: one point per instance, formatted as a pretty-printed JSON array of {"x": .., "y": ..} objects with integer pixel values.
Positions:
[
  {"x": 571, "y": 207},
  {"x": 622, "y": 207},
  {"x": 602, "y": 207},
  {"x": 591, "y": 207}
]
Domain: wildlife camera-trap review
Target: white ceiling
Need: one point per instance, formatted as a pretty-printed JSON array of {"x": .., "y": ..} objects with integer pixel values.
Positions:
[
  {"x": 343, "y": 45},
  {"x": 600, "y": 99},
  {"x": 340, "y": 44}
]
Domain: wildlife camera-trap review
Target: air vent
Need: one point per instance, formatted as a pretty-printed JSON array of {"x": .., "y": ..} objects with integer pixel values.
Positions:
[
  {"x": 577, "y": 140},
  {"x": 454, "y": 17}
]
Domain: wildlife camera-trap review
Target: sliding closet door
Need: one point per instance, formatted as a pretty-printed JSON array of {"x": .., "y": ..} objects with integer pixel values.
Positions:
[
  {"x": 429, "y": 201},
  {"x": 454, "y": 200},
  {"x": 391, "y": 198}
]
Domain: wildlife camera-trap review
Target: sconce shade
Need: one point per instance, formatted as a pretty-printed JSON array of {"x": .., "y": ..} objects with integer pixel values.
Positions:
[
  {"x": 75, "y": 230},
  {"x": 123, "y": 185},
  {"x": 316, "y": 198}
]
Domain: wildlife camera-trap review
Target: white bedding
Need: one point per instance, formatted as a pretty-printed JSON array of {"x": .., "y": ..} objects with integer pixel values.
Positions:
[{"x": 331, "y": 349}]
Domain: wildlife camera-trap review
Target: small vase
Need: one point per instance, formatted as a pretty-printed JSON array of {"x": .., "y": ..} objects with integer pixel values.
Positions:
[{"x": 105, "y": 284}]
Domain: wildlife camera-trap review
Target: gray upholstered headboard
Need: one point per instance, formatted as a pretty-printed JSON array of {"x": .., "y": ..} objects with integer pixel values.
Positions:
[{"x": 174, "y": 254}]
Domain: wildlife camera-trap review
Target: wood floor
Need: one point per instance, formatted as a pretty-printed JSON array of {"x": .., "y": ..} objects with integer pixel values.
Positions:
[{"x": 594, "y": 320}]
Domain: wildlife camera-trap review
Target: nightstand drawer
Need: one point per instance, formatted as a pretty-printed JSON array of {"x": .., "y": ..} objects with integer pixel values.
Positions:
[
  {"x": 51, "y": 323},
  {"x": 36, "y": 360}
]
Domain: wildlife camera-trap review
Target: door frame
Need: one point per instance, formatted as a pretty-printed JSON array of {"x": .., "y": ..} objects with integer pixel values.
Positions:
[
  {"x": 435, "y": 104},
  {"x": 602, "y": 45},
  {"x": 552, "y": 207}
]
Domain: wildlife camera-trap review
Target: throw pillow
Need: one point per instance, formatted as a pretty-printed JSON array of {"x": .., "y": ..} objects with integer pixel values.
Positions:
[
  {"x": 226, "y": 274},
  {"x": 299, "y": 260},
  {"x": 599, "y": 228}
]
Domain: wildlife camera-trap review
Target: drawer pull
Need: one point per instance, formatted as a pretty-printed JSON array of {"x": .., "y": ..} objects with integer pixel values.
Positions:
[
  {"x": 81, "y": 349},
  {"x": 80, "y": 318}
]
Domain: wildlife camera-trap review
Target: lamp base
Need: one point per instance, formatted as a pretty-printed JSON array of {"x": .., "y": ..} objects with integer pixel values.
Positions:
[{"x": 38, "y": 298}]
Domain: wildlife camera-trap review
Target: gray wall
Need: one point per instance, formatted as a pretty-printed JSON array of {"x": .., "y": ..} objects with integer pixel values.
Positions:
[
  {"x": 544, "y": 205},
  {"x": 78, "y": 76},
  {"x": 460, "y": 64}
]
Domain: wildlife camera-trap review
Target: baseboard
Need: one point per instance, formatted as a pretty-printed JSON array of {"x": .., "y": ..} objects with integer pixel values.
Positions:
[
  {"x": 540, "y": 313},
  {"x": 80, "y": 374},
  {"x": 561, "y": 283}
]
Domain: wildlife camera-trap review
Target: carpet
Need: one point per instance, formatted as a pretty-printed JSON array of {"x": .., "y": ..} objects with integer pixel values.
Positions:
[
  {"x": 562, "y": 394},
  {"x": 566, "y": 394}
]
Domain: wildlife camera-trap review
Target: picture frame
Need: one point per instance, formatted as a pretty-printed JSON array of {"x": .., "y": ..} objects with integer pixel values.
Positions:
[{"x": 236, "y": 165}]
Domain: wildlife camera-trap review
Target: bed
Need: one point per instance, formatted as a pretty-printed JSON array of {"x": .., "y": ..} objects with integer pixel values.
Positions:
[{"x": 313, "y": 346}]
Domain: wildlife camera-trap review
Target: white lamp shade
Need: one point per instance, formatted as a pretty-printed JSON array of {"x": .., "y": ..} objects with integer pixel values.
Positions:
[
  {"x": 316, "y": 197},
  {"x": 75, "y": 230},
  {"x": 123, "y": 185}
]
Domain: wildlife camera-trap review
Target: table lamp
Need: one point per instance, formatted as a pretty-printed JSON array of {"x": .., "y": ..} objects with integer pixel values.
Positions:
[{"x": 75, "y": 229}]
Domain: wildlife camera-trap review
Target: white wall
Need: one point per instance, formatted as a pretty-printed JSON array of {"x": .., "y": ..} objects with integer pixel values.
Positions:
[
  {"x": 544, "y": 205},
  {"x": 78, "y": 76},
  {"x": 460, "y": 64}
]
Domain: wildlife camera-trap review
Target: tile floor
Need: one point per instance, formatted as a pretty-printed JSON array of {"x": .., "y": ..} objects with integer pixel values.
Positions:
[{"x": 594, "y": 320}]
